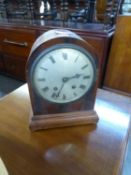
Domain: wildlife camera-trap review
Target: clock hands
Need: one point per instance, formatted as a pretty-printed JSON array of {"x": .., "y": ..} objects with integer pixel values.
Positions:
[
  {"x": 60, "y": 89},
  {"x": 66, "y": 79}
]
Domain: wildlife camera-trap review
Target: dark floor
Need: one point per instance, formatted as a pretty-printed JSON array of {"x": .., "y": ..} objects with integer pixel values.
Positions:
[{"x": 8, "y": 84}]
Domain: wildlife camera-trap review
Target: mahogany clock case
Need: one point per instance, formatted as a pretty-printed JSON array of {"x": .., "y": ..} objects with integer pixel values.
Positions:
[{"x": 41, "y": 106}]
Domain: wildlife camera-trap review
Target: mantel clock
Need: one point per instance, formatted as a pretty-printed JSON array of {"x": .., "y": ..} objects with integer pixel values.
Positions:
[{"x": 62, "y": 72}]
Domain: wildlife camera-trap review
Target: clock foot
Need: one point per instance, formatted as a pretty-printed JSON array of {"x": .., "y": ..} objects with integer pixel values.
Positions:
[{"x": 39, "y": 122}]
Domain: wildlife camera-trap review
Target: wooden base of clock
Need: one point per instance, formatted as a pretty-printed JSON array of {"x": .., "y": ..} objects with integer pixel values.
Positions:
[{"x": 39, "y": 122}]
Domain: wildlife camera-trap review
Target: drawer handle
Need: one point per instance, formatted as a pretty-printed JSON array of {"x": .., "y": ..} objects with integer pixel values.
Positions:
[{"x": 24, "y": 44}]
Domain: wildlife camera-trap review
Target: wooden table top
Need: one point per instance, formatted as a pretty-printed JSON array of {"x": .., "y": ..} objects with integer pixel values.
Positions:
[{"x": 80, "y": 150}]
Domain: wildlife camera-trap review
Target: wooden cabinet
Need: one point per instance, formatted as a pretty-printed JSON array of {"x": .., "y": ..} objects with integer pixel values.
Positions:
[
  {"x": 118, "y": 74},
  {"x": 1, "y": 58},
  {"x": 15, "y": 66},
  {"x": 15, "y": 48},
  {"x": 17, "y": 40},
  {"x": 101, "y": 46}
]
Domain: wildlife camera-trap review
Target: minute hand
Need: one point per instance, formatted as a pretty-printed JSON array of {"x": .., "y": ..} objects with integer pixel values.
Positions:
[
  {"x": 60, "y": 89},
  {"x": 69, "y": 78}
]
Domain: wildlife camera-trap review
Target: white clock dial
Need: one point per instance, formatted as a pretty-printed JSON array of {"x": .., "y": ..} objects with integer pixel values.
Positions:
[{"x": 63, "y": 75}]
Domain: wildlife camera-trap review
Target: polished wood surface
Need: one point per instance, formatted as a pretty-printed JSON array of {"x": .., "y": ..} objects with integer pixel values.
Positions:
[
  {"x": 90, "y": 149},
  {"x": 118, "y": 74},
  {"x": 101, "y": 9}
]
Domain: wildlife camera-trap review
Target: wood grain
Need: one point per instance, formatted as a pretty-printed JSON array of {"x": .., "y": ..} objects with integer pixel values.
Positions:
[
  {"x": 87, "y": 150},
  {"x": 101, "y": 6},
  {"x": 118, "y": 74},
  {"x": 38, "y": 122}
]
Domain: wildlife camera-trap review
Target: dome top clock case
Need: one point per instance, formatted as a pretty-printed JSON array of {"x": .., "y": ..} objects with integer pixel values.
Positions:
[{"x": 62, "y": 72}]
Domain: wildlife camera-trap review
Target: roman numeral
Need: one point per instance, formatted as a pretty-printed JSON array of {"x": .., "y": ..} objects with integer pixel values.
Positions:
[
  {"x": 65, "y": 56},
  {"x": 85, "y": 66},
  {"x": 52, "y": 59},
  {"x": 86, "y": 77},
  {"x": 76, "y": 59},
  {"x": 74, "y": 94},
  {"x": 43, "y": 68},
  {"x": 82, "y": 86},
  {"x": 64, "y": 97},
  {"x": 45, "y": 89},
  {"x": 73, "y": 86},
  {"x": 41, "y": 79},
  {"x": 54, "y": 95},
  {"x": 55, "y": 88}
]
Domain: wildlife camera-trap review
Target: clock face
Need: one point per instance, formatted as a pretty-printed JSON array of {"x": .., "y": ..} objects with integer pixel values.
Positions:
[{"x": 63, "y": 74}]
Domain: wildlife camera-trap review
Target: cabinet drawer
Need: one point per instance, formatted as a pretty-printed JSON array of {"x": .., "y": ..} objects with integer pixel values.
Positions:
[
  {"x": 18, "y": 42},
  {"x": 15, "y": 66}
]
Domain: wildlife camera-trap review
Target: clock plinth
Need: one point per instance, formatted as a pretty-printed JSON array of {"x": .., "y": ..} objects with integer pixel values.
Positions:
[{"x": 38, "y": 122}]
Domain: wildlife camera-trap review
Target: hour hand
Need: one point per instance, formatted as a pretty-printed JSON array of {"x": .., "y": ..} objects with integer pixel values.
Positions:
[{"x": 75, "y": 76}]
